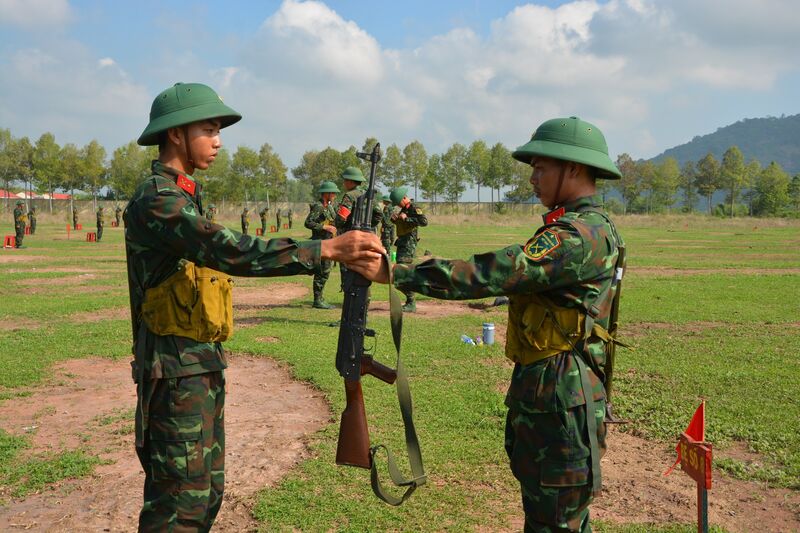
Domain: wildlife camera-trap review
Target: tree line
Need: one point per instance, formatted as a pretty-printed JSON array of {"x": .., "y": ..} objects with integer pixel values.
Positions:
[{"x": 249, "y": 175}]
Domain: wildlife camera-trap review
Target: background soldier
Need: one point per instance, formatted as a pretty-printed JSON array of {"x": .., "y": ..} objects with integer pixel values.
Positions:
[
  {"x": 178, "y": 357},
  {"x": 20, "y": 221},
  {"x": 117, "y": 214},
  {"x": 320, "y": 222},
  {"x": 101, "y": 222},
  {"x": 278, "y": 219},
  {"x": 211, "y": 213},
  {"x": 263, "y": 214},
  {"x": 290, "y": 216},
  {"x": 245, "y": 220},
  {"x": 75, "y": 218},
  {"x": 406, "y": 221},
  {"x": 387, "y": 226},
  {"x": 352, "y": 177},
  {"x": 32, "y": 219},
  {"x": 560, "y": 286}
]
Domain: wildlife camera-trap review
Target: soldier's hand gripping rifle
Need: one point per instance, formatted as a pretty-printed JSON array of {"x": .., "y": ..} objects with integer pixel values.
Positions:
[{"x": 353, "y": 361}]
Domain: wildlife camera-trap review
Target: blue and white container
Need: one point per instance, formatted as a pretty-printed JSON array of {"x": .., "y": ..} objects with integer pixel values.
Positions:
[{"x": 488, "y": 333}]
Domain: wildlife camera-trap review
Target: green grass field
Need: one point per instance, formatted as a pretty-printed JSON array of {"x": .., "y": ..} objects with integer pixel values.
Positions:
[{"x": 711, "y": 307}]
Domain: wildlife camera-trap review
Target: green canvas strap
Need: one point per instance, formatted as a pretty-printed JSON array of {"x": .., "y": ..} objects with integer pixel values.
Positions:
[
  {"x": 591, "y": 424},
  {"x": 418, "y": 476}
]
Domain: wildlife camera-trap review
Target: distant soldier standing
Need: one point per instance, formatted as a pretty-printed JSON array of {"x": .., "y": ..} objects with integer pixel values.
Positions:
[
  {"x": 101, "y": 222},
  {"x": 20, "y": 221},
  {"x": 290, "y": 217},
  {"x": 211, "y": 213},
  {"x": 75, "y": 218},
  {"x": 263, "y": 214},
  {"x": 387, "y": 226},
  {"x": 352, "y": 177},
  {"x": 561, "y": 285},
  {"x": 320, "y": 222},
  {"x": 178, "y": 356},
  {"x": 32, "y": 219},
  {"x": 278, "y": 219},
  {"x": 245, "y": 220},
  {"x": 406, "y": 221},
  {"x": 117, "y": 214}
]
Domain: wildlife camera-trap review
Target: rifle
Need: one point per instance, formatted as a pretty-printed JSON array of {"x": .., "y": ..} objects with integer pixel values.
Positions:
[
  {"x": 353, "y": 361},
  {"x": 613, "y": 326}
]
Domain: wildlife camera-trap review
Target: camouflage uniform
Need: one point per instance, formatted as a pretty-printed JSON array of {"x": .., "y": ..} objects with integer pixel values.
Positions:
[
  {"x": 32, "y": 219},
  {"x": 180, "y": 381},
  {"x": 278, "y": 219},
  {"x": 344, "y": 219},
  {"x": 263, "y": 214},
  {"x": 180, "y": 384},
  {"x": 290, "y": 217},
  {"x": 407, "y": 235},
  {"x": 74, "y": 218},
  {"x": 387, "y": 227},
  {"x": 20, "y": 221},
  {"x": 320, "y": 215},
  {"x": 101, "y": 222},
  {"x": 211, "y": 213},
  {"x": 555, "y": 431},
  {"x": 117, "y": 215},
  {"x": 245, "y": 221}
]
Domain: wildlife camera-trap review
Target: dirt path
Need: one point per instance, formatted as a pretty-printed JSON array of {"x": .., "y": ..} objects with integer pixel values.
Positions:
[{"x": 268, "y": 418}]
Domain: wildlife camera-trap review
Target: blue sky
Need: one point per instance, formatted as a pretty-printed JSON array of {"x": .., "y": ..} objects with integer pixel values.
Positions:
[{"x": 309, "y": 74}]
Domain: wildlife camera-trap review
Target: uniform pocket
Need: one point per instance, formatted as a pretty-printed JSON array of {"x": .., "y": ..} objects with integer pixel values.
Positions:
[
  {"x": 564, "y": 473},
  {"x": 176, "y": 447}
]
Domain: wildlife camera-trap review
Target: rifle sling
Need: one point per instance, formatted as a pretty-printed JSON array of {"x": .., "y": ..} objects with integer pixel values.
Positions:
[{"x": 418, "y": 476}]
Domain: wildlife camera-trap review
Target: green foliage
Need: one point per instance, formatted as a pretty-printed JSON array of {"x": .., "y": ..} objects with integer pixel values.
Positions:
[{"x": 772, "y": 191}]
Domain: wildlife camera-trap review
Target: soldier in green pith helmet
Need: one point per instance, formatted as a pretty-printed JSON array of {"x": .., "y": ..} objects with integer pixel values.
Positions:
[
  {"x": 178, "y": 356},
  {"x": 101, "y": 222},
  {"x": 245, "y": 220},
  {"x": 406, "y": 221},
  {"x": 32, "y": 219},
  {"x": 20, "y": 222},
  {"x": 263, "y": 214},
  {"x": 211, "y": 212},
  {"x": 290, "y": 217},
  {"x": 561, "y": 285},
  {"x": 320, "y": 222},
  {"x": 117, "y": 214},
  {"x": 74, "y": 218}
]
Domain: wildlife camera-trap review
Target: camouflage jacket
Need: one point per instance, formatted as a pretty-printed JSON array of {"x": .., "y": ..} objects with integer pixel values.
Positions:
[
  {"x": 20, "y": 218},
  {"x": 31, "y": 216},
  {"x": 387, "y": 226},
  {"x": 164, "y": 223},
  {"x": 101, "y": 219},
  {"x": 415, "y": 218},
  {"x": 570, "y": 260},
  {"x": 319, "y": 216},
  {"x": 344, "y": 211}
]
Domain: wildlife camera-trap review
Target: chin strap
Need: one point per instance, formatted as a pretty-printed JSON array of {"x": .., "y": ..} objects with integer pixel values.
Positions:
[{"x": 189, "y": 157}]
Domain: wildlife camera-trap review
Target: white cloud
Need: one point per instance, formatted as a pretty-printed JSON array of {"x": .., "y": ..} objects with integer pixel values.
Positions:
[
  {"x": 106, "y": 62},
  {"x": 35, "y": 14}
]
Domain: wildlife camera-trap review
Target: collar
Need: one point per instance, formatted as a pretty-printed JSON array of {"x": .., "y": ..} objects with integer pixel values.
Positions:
[
  {"x": 184, "y": 181},
  {"x": 579, "y": 204}
]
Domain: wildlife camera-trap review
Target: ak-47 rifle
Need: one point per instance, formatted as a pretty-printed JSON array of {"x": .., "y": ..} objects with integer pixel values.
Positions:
[
  {"x": 613, "y": 326},
  {"x": 353, "y": 361}
]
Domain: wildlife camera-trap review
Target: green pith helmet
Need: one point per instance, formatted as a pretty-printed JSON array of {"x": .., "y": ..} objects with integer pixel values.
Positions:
[
  {"x": 212, "y": 206},
  {"x": 20, "y": 202},
  {"x": 397, "y": 195},
  {"x": 385, "y": 198},
  {"x": 570, "y": 139},
  {"x": 184, "y": 103},
  {"x": 101, "y": 208},
  {"x": 353, "y": 174},
  {"x": 327, "y": 186}
]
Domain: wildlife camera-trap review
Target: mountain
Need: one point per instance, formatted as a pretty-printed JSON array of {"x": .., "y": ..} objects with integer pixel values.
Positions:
[{"x": 764, "y": 139}]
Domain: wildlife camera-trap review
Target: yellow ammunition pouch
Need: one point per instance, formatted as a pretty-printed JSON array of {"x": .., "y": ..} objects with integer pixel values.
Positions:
[
  {"x": 403, "y": 227},
  {"x": 535, "y": 327},
  {"x": 23, "y": 219},
  {"x": 194, "y": 302}
]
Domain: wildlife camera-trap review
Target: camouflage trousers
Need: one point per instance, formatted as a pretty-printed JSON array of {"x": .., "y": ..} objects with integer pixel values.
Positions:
[
  {"x": 183, "y": 456},
  {"x": 245, "y": 228},
  {"x": 321, "y": 277},
  {"x": 19, "y": 229},
  {"x": 549, "y": 456},
  {"x": 99, "y": 233},
  {"x": 33, "y": 226},
  {"x": 263, "y": 226},
  {"x": 406, "y": 248}
]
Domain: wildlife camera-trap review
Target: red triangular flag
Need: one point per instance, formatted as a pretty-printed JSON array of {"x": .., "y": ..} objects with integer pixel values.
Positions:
[{"x": 696, "y": 430}]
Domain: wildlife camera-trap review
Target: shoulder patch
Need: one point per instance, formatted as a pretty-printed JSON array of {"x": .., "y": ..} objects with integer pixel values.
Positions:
[{"x": 542, "y": 244}]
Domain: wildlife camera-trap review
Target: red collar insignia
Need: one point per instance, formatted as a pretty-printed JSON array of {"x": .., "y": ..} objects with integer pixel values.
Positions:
[
  {"x": 554, "y": 215},
  {"x": 186, "y": 184}
]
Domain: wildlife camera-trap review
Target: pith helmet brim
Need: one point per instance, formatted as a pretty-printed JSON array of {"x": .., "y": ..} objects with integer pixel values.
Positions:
[{"x": 570, "y": 140}]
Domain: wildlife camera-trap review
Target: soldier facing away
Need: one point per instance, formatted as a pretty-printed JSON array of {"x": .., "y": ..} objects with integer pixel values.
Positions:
[
  {"x": 320, "y": 222},
  {"x": 406, "y": 222},
  {"x": 178, "y": 356},
  {"x": 387, "y": 226},
  {"x": 560, "y": 288},
  {"x": 101, "y": 222},
  {"x": 245, "y": 220},
  {"x": 75, "y": 218},
  {"x": 290, "y": 217},
  {"x": 32, "y": 219},
  {"x": 263, "y": 214},
  {"x": 20, "y": 222},
  {"x": 117, "y": 214},
  {"x": 278, "y": 219}
]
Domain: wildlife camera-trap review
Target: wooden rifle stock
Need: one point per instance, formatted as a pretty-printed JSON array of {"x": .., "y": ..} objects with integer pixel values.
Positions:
[{"x": 353, "y": 446}]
